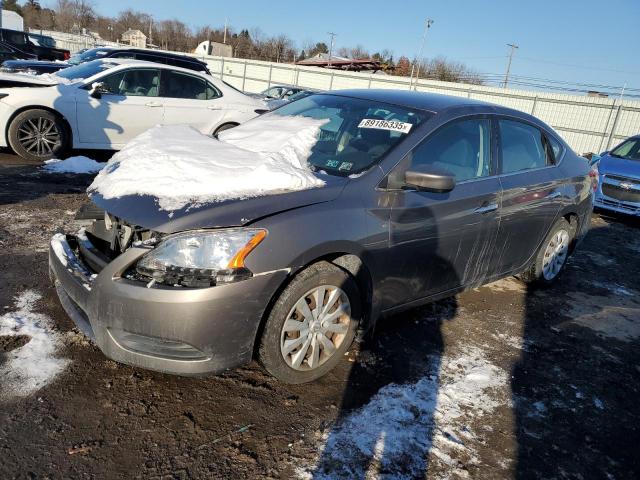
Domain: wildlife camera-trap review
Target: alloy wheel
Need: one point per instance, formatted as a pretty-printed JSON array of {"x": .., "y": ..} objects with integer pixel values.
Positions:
[
  {"x": 39, "y": 136},
  {"x": 315, "y": 327},
  {"x": 555, "y": 254}
]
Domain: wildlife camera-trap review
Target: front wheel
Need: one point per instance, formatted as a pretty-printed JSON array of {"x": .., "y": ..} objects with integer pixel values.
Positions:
[
  {"x": 552, "y": 256},
  {"x": 311, "y": 325},
  {"x": 38, "y": 135}
]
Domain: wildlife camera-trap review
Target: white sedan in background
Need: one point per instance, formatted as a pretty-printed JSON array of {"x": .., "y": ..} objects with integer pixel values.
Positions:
[{"x": 105, "y": 103}]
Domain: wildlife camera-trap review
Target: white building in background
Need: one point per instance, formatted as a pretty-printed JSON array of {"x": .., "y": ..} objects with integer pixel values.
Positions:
[
  {"x": 214, "y": 48},
  {"x": 135, "y": 38},
  {"x": 12, "y": 20}
]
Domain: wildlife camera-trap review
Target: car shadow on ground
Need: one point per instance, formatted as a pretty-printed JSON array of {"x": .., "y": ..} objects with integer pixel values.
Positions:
[{"x": 576, "y": 385}]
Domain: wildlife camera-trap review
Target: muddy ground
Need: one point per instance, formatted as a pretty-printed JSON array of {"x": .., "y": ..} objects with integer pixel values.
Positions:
[{"x": 498, "y": 382}]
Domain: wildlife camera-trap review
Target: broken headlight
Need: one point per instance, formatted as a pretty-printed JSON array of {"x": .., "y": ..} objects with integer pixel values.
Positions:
[{"x": 201, "y": 258}]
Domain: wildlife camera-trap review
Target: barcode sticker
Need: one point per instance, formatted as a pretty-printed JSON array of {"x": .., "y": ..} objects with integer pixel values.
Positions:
[{"x": 393, "y": 125}]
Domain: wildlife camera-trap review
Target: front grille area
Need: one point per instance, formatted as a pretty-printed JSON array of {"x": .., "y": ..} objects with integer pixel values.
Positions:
[{"x": 619, "y": 193}]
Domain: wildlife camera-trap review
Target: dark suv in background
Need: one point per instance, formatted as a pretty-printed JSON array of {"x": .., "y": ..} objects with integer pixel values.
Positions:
[
  {"x": 157, "y": 56},
  {"x": 21, "y": 41}
]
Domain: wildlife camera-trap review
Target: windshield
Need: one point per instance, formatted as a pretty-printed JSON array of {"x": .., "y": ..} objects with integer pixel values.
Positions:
[
  {"x": 358, "y": 132},
  {"x": 89, "y": 55},
  {"x": 629, "y": 150},
  {"x": 84, "y": 70}
]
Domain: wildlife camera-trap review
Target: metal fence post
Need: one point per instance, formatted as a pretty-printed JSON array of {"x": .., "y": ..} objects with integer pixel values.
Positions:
[
  {"x": 297, "y": 76},
  {"x": 244, "y": 74},
  {"x": 331, "y": 80},
  {"x": 613, "y": 127},
  {"x": 222, "y": 69},
  {"x": 370, "y": 77},
  {"x": 469, "y": 92},
  {"x": 604, "y": 133},
  {"x": 270, "y": 70},
  {"x": 535, "y": 103}
]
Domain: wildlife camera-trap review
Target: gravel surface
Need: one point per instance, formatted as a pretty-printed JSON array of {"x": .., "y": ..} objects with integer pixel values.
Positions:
[{"x": 498, "y": 382}]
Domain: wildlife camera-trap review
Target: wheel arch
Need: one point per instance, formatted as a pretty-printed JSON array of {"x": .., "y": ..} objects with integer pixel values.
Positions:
[
  {"x": 353, "y": 264},
  {"x": 38, "y": 107}
]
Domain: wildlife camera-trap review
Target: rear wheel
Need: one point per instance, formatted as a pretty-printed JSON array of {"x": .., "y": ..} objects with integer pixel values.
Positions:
[
  {"x": 311, "y": 325},
  {"x": 552, "y": 256},
  {"x": 38, "y": 135}
]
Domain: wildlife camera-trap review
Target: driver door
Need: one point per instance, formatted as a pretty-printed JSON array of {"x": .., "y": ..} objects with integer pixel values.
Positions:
[{"x": 130, "y": 106}]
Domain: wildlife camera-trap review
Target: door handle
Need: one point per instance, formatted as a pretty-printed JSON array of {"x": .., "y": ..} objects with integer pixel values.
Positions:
[
  {"x": 212, "y": 107},
  {"x": 554, "y": 195},
  {"x": 153, "y": 104},
  {"x": 486, "y": 208}
]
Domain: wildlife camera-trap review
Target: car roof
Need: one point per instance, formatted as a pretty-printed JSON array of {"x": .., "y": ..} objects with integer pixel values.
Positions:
[
  {"x": 144, "y": 63},
  {"x": 163, "y": 53},
  {"x": 432, "y": 102}
]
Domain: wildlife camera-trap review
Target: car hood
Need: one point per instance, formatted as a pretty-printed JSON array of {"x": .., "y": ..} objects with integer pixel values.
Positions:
[
  {"x": 619, "y": 166},
  {"x": 143, "y": 210},
  {"x": 28, "y": 80}
]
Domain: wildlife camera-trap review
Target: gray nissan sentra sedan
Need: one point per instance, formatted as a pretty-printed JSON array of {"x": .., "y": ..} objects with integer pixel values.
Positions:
[{"x": 424, "y": 196}]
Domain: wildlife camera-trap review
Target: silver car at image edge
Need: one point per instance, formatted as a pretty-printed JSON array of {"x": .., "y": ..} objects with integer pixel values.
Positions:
[
  {"x": 619, "y": 178},
  {"x": 445, "y": 194}
]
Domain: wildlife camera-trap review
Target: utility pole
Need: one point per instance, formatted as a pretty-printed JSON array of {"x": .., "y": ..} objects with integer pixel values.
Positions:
[
  {"x": 1, "y": 7},
  {"x": 427, "y": 25},
  {"x": 513, "y": 48},
  {"x": 332, "y": 35},
  {"x": 224, "y": 38}
]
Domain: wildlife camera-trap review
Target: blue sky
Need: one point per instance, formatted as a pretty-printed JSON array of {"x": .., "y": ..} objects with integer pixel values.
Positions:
[{"x": 557, "y": 38}]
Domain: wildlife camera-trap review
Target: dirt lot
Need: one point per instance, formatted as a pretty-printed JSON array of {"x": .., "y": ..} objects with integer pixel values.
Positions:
[{"x": 499, "y": 382}]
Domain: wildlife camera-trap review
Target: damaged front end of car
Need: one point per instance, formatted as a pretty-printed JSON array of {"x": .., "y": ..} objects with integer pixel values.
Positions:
[{"x": 146, "y": 298}]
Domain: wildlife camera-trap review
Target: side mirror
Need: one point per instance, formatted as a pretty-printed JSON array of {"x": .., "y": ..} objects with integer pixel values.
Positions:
[
  {"x": 98, "y": 89},
  {"x": 430, "y": 179}
]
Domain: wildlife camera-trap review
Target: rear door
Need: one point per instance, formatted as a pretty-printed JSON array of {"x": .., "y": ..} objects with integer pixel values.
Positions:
[
  {"x": 190, "y": 99},
  {"x": 531, "y": 197},
  {"x": 130, "y": 107},
  {"x": 442, "y": 241}
]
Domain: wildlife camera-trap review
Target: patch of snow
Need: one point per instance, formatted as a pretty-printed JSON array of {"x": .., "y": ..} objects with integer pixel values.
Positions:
[
  {"x": 47, "y": 79},
  {"x": 78, "y": 164},
  {"x": 402, "y": 425},
  {"x": 180, "y": 166},
  {"x": 29, "y": 368},
  {"x": 58, "y": 249}
]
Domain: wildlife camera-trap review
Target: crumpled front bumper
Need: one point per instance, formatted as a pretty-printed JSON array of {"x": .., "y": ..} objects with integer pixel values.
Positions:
[{"x": 168, "y": 329}]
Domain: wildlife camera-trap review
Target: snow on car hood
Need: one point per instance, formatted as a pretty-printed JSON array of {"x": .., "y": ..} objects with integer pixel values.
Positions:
[
  {"x": 180, "y": 167},
  {"x": 28, "y": 79}
]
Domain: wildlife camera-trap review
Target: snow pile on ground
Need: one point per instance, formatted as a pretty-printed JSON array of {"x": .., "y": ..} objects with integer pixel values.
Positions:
[
  {"x": 402, "y": 425},
  {"x": 78, "y": 164},
  {"x": 180, "y": 166},
  {"x": 30, "y": 367}
]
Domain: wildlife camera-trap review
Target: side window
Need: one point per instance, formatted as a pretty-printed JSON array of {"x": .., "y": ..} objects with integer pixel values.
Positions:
[
  {"x": 15, "y": 37},
  {"x": 136, "y": 83},
  {"x": 212, "y": 92},
  {"x": 463, "y": 148},
  {"x": 181, "y": 85},
  {"x": 522, "y": 146},
  {"x": 122, "y": 55},
  {"x": 149, "y": 58},
  {"x": 556, "y": 148}
]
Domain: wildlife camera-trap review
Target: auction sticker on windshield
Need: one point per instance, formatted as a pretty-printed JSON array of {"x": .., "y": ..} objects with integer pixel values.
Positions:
[{"x": 393, "y": 125}]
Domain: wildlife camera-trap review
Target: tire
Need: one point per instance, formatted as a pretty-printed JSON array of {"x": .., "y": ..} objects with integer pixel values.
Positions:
[
  {"x": 223, "y": 127},
  {"x": 552, "y": 256},
  {"x": 300, "y": 364},
  {"x": 38, "y": 135}
]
